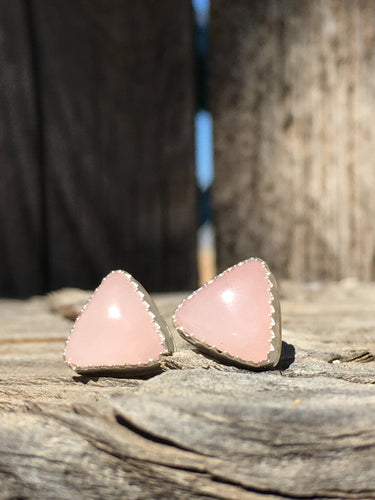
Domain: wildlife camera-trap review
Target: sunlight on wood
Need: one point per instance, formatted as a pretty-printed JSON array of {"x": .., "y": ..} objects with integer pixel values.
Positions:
[{"x": 206, "y": 253}]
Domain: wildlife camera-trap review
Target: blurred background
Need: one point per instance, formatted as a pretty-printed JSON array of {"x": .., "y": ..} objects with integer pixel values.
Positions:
[{"x": 173, "y": 139}]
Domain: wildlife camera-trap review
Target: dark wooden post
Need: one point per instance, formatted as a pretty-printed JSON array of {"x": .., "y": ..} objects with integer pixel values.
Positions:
[
  {"x": 116, "y": 89},
  {"x": 96, "y": 156},
  {"x": 21, "y": 193},
  {"x": 292, "y": 93}
]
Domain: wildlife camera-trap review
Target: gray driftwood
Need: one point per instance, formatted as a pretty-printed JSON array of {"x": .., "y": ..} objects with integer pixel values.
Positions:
[{"x": 200, "y": 429}]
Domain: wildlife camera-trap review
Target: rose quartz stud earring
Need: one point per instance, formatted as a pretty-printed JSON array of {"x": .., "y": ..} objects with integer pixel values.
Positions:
[
  {"x": 120, "y": 329},
  {"x": 235, "y": 317}
]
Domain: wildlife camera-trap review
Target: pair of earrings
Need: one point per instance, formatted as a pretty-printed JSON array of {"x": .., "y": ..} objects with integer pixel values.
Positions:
[{"x": 235, "y": 318}]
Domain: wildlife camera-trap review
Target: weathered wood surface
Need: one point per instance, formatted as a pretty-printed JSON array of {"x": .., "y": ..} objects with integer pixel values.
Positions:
[
  {"x": 97, "y": 149},
  {"x": 200, "y": 429},
  {"x": 292, "y": 96}
]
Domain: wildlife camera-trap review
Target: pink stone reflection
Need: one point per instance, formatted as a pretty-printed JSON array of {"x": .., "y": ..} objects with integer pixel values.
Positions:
[
  {"x": 115, "y": 328},
  {"x": 232, "y": 313}
]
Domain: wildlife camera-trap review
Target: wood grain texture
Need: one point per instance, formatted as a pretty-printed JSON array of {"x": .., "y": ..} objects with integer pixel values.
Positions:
[
  {"x": 116, "y": 90},
  {"x": 292, "y": 96},
  {"x": 201, "y": 429},
  {"x": 21, "y": 206}
]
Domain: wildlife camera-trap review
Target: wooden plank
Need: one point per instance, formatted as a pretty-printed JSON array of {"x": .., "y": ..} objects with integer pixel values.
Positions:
[
  {"x": 116, "y": 87},
  {"x": 21, "y": 187},
  {"x": 292, "y": 95},
  {"x": 201, "y": 429}
]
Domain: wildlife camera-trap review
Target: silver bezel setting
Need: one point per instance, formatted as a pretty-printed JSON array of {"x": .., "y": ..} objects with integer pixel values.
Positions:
[
  {"x": 273, "y": 355},
  {"x": 161, "y": 328}
]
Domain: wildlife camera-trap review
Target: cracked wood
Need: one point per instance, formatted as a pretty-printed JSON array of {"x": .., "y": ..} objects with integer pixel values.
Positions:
[{"x": 200, "y": 429}]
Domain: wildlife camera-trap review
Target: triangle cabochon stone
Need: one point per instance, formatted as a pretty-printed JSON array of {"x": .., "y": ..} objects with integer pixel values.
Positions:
[
  {"x": 236, "y": 316},
  {"x": 119, "y": 328}
]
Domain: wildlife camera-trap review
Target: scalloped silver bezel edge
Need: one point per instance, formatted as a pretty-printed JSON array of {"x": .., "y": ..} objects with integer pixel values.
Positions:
[
  {"x": 161, "y": 327},
  {"x": 274, "y": 353}
]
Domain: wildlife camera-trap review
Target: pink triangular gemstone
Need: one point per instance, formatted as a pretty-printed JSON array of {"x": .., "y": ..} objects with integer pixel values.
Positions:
[
  {"x": 119, "y": 328},
  {"x": 235, "y": 316}
]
